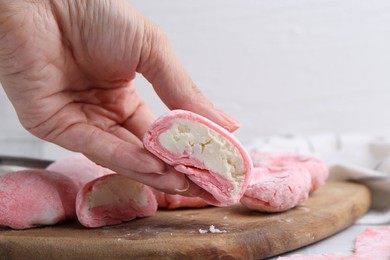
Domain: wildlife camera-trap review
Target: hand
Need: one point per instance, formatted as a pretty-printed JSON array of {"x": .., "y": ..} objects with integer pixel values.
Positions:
[{"x": 68, "y": 68}]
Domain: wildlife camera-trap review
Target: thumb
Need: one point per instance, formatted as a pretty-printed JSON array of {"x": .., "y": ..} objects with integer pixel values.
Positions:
[{"x": 159, "y": 65}]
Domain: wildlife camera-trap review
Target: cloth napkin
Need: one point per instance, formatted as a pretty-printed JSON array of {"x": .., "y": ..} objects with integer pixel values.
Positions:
[{"x": 361, "y": 158}]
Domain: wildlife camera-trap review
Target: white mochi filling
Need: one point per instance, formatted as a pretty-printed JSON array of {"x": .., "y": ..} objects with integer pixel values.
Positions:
[
  {"x": 115, "y": 190},
  {"x": 197, "y": 141}
]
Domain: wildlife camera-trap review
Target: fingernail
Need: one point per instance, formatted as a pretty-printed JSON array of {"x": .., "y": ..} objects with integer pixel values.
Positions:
[
  {"x": 232, "y": 124},
  {"x": 185, "y": 188}
]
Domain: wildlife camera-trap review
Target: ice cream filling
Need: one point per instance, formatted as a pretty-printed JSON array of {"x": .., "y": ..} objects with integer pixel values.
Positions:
[
  {"x": 197, "y": 142},
  {"x": 116, "y": 190}
]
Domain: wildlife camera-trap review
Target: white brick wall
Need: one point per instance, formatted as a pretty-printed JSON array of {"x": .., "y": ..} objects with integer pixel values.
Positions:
[{"x": 285, "y": 66}]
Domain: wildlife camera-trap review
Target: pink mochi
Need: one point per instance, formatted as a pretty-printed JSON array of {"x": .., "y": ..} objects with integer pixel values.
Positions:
[
  {"x": 79, "y": 168},
  {"x": 318, "y": 170},
  {"x": 277, "y": 189},
  {"x": 208, "y": 154},
  {"x": 30, "y": 198},
  {"x": 373, "y": 243},
  {"x": 113, "y": 199}
]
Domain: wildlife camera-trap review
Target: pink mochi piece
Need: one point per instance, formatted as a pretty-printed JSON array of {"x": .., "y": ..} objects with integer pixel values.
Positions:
[
  {"x": 175, "y": 201},
  {"x": 277, "y": 189},
  {"x": 224, "y": 188},
  {"x": 317, "y": 168},
  {"x": 30, "y": 198},
  {"x": 113, "y": 199},
  {"x": 373, "y": 243},
  {"x": 79, "y": 168}
]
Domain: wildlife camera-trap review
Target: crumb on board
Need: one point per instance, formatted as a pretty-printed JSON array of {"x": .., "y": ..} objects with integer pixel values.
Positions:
[
  {"x": 211, "y": 229},
  {"x": 203, "y": 231}
]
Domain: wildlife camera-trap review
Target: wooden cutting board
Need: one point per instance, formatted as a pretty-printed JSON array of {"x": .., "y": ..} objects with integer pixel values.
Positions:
[{"x": 175, "y": 234}]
